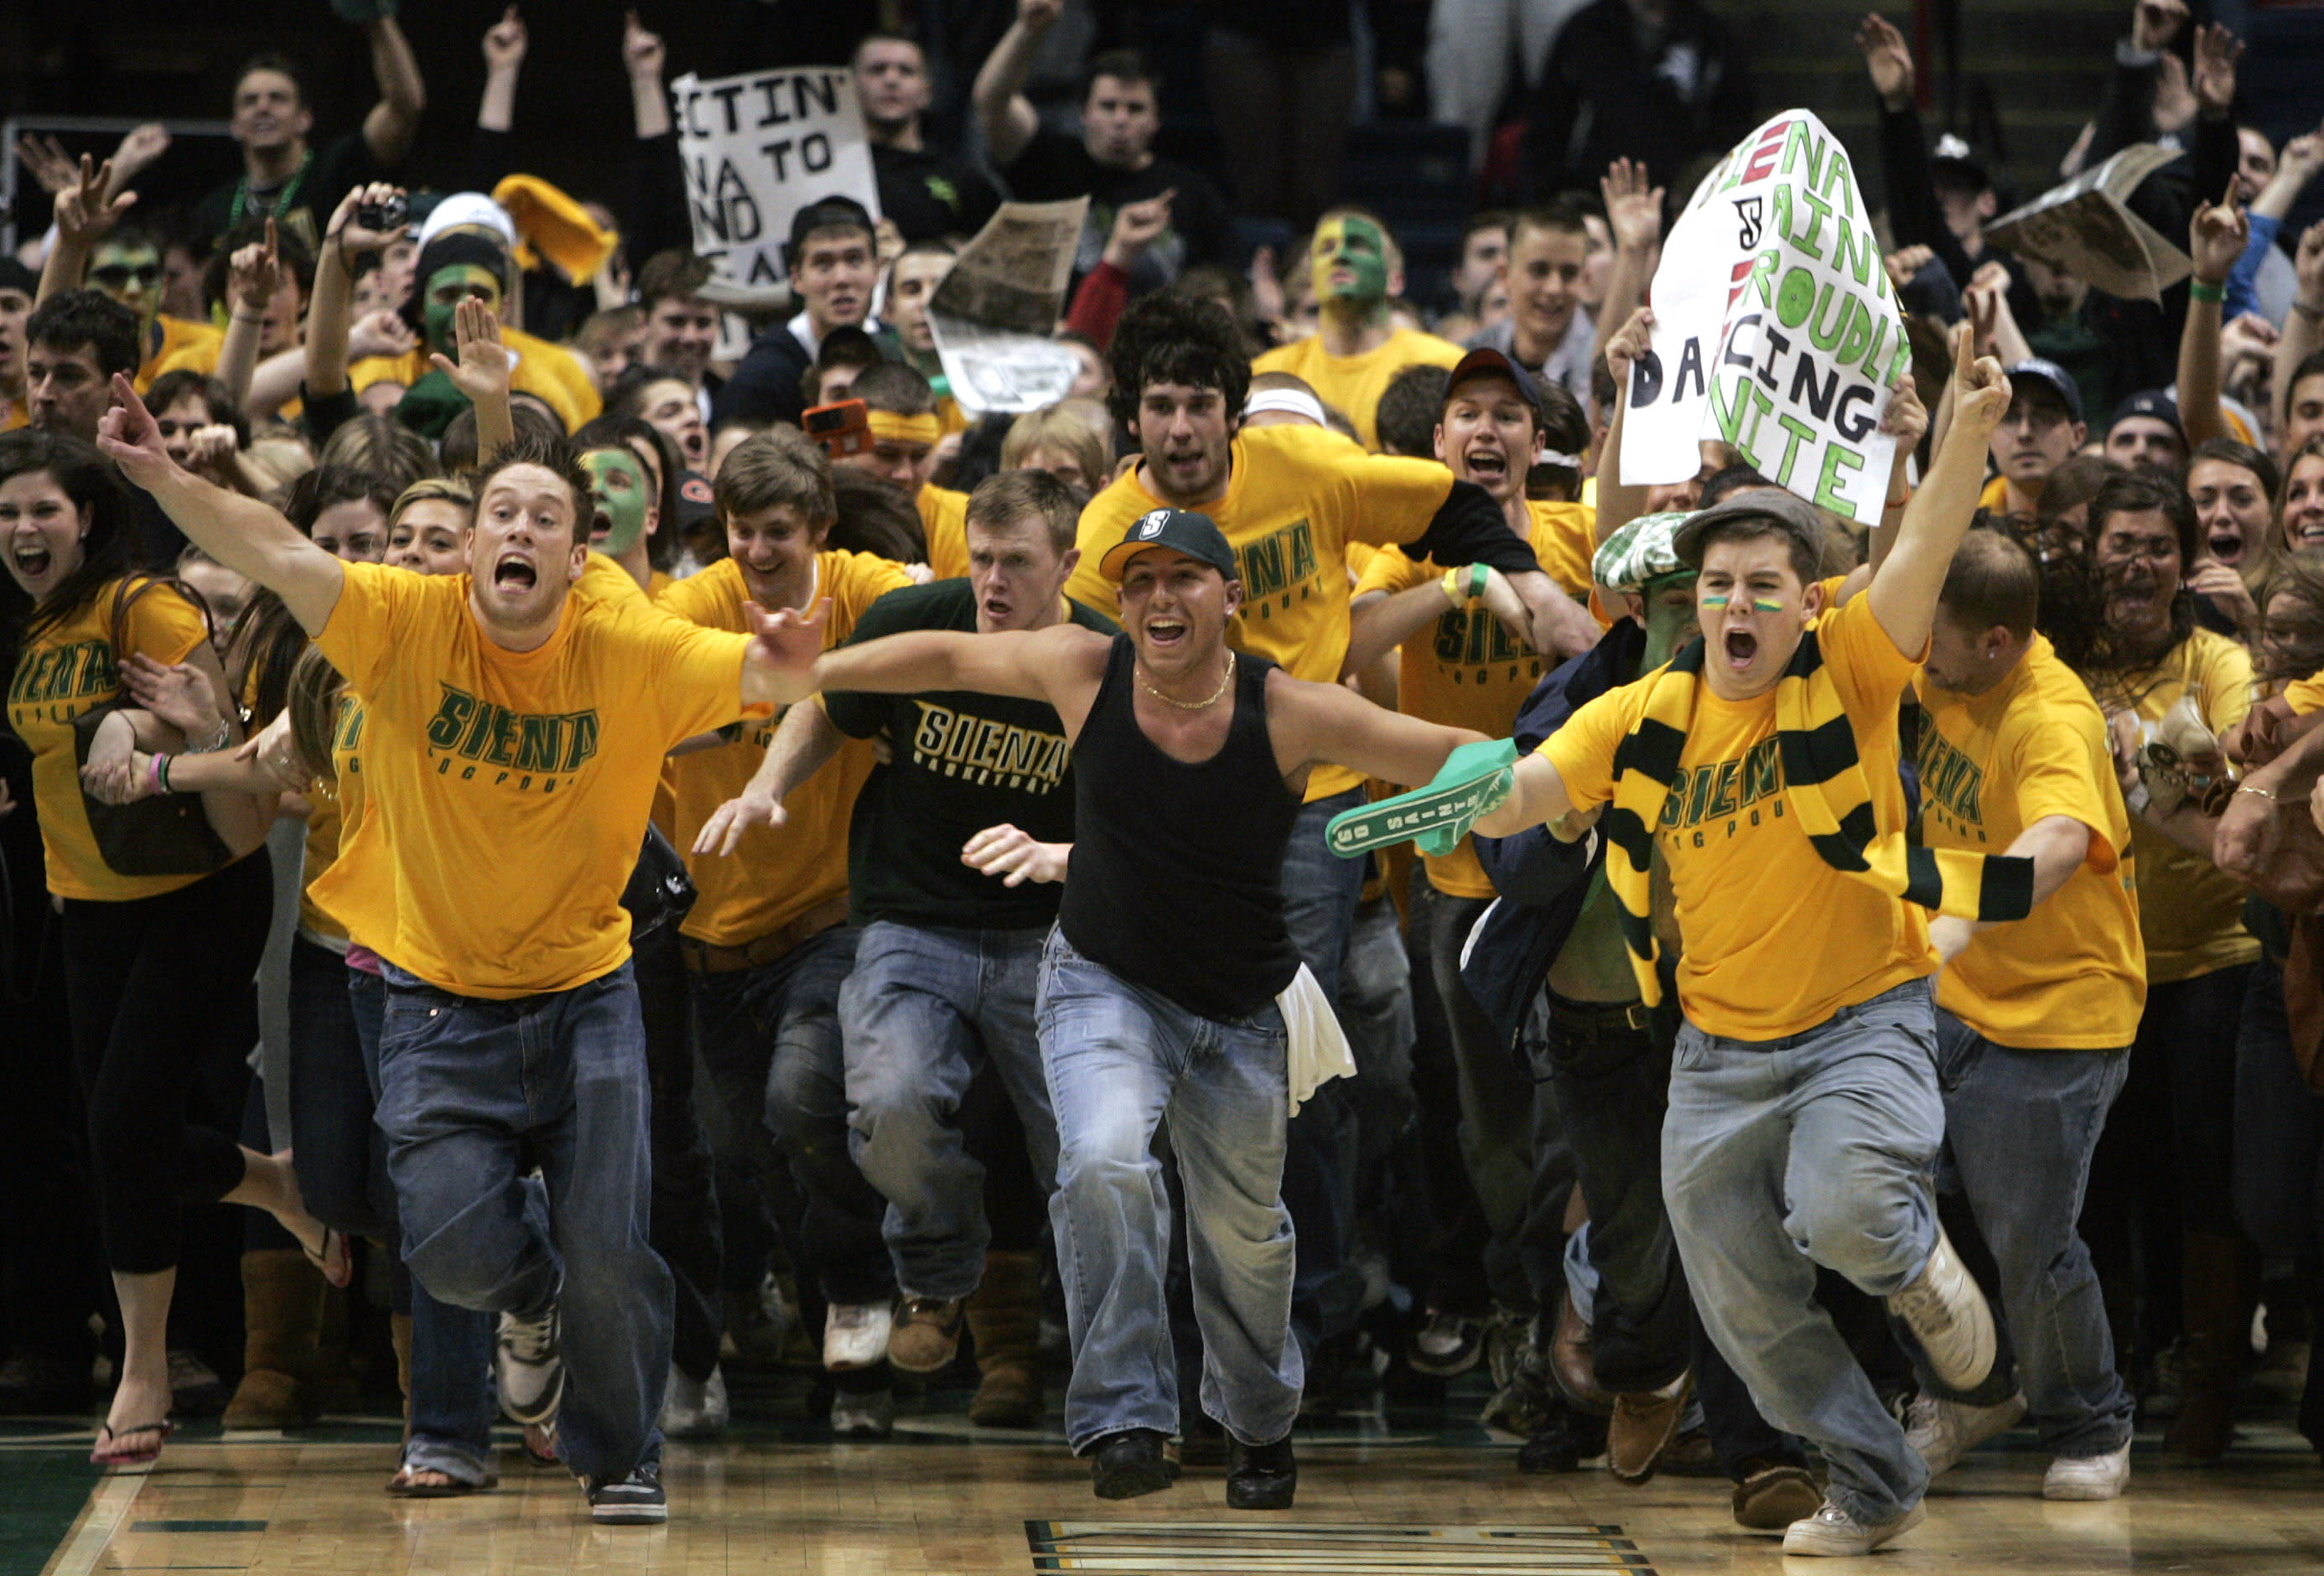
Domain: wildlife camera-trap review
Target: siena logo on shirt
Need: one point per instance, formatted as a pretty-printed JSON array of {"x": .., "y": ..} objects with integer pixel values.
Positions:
[{"x": 531, "y": 742}]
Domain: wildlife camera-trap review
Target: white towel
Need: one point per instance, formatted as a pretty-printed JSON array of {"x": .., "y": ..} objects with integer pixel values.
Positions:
[{"x": 1317, "y": 1051}]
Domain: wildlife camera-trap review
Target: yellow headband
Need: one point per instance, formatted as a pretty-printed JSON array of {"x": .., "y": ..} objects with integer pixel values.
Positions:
[{"x": 886, "y": 426}]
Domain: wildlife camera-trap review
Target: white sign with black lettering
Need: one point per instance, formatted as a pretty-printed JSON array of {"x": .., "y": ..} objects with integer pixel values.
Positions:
[
  {"x": 760, "y": 147},
  {"x": 1776, "y": 328}
]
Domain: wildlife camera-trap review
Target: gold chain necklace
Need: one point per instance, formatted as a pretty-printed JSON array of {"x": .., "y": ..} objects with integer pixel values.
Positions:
[{"x": 1194, "y": 705}]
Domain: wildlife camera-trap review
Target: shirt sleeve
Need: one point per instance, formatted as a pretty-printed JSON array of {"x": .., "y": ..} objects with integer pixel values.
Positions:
[
  {"x": 1582, "y": 750},
  {"x": 1866, "y": 666},
  {"x": 1386, "y": 499},
  {"x": 163, "y": 625},
  {"x": 2226, "y": 681},
  {"x": 696, "y": 673},
  {"x": 857, "y": 713},
  {"x": 2058, "y": 765},
  {"x": 362, "y": 625},
  {"x": 2304, "y": 696},
  {"x": 1391, "y": 571}
]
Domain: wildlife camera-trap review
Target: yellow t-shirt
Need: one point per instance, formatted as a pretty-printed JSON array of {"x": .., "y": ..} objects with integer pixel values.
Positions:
[
  {"x": 549, "y": 371},
  {"x": 943, "y": 521},
  {"x": 506, "y": 791},
  {"x": 2304, "y": 696},
  {"x": 2073, "y": 975},
  {"x": 2190, "y": 910},
  {"x": 1352, "y": 384},
  {"x": 69, "y": 668},
  {"x": 202, "y": 357},
  {"x": 1296, "y": 497},
  {"x": 1565, "y": 540},
  {"x": 1468, "y": 672},
  {"x": 180, "y": 336},
  {"x": 1776, "y": 941},
  {"x": 777, "y": 872}
]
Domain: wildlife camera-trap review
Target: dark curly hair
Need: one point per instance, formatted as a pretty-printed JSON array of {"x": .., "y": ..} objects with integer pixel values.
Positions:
[{"x": 1165, "y": 338}]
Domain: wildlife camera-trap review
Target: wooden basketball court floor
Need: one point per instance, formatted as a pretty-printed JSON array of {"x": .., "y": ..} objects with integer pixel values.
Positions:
[{"x": 1407, "y": 1493}]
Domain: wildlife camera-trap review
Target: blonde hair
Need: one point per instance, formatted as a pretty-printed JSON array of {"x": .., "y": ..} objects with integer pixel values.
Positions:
[
  {"x": 447, "y": 489},
  {"x": 1078, "y": 428}
]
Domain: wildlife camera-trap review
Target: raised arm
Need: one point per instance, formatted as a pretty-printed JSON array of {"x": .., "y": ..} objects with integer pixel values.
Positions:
[
  {"x": 1903, "y": 592},
  {"x": 1620, "y": 503},
  {"x": 787, "y": 663},
  {"x": 388, "y": 128},
  {"x": 85, "y": 211},
  {"x": 482, "y": 373},
  {"x": 344, "y": 241},
  {"x": 241, "y": 533},
  {"x": 505, "y": 46},
  {"x": 1634, "y": 212},
  {"x": 2216, "y": 241},
  {"x": 1002, "y": 112},
  {"x": 1539, "y": 799},
  {"x": 251, "y": 274}
]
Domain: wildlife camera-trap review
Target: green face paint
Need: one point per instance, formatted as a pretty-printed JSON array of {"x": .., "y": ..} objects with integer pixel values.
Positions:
[
  {"x": 1714, "y": 602},
  {"x": 1355, "y": 246},
  {"x": 1759, "y": 606},
  {"x": 1670, "y": 619},
  {"x": 131, "y": 275},
  {"x": 445, "y": 289},
  {"x": 617, "y": 484}
]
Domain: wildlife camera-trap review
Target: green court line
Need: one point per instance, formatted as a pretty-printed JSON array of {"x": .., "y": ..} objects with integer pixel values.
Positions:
[{"x": 46, "y": 1490}]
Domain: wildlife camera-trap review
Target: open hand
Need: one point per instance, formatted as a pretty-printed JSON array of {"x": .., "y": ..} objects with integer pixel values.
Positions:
[
  {"x": 721, "y": 834},
  {"x": 789, "y": 641},
  {"x": 1889, "y": 60},
  {"x": 178, "y": 693},
  {"x": 140, "y": 147},
  {"x": 482, "y": 373},
  {"x": 1014, "y": 856},
  {"x": 1633, "y": 211},
  {"x": 2217, "y": 51}
]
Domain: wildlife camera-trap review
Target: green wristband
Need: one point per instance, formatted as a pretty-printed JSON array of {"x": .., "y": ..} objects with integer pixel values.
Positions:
[
  {"x": 2197, "y": 291},
  {"x": 1479, "y": 577}
]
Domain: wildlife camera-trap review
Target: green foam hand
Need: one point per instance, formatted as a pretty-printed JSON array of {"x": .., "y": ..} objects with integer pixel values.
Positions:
[{"x": 1475, "y": 781}]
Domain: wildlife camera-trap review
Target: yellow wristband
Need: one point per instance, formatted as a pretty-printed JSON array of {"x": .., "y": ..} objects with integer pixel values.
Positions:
[{"x": 1453, "y": 592}]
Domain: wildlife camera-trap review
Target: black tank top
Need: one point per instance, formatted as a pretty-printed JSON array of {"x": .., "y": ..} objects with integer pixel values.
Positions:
[{"x": 1177, "y": 880}]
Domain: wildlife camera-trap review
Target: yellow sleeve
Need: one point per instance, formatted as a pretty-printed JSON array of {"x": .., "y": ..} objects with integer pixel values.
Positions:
[
  {"x": 857, "y": 581},
  {"x": 2226, "y": 676},
  {"x": 1391, "y": 571},
  {"x": 163, "y": 625},
  {"x": 1582, "y": 750},
  {"x": 2304, "y": 696},
  {"x": 374, "y": 601},
  {"x": 1868, "y": 671},
  {"x": 696, "y": 673},
  {"x": 2060, "y": 765},
  {"x": 1387, "y": 498}
]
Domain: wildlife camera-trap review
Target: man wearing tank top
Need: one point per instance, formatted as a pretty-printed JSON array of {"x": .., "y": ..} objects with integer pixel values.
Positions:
[{"x": 1159, "y": 984}]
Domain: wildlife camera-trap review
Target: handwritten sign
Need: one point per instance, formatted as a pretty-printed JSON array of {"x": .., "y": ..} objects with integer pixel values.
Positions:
[
  {"x": 1776, "y": 329},
  {"x": 760, "y": 147}
]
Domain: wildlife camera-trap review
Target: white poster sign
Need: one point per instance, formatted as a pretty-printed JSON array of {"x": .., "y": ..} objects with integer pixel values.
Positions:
[
  {"x": 760, "y": 147},
  {"x": 1776, "y": 328}
]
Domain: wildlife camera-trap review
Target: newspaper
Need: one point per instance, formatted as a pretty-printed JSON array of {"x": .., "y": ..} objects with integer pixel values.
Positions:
[
  {"x": 994, "y": 315},
  {"x": 2086, "y": 228}
]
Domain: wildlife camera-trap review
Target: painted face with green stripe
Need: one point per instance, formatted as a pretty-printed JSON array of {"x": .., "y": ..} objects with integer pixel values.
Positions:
[
  {"x": 1348, "y": 260},
  {"x": 447, "y": 287},
  {"x": 621, "y": 511}
]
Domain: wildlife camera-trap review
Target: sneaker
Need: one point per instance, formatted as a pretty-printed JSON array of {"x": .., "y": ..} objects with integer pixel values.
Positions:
[
  {"x": 527, "y": 1367},
  {"x": 1127, "y": 1464},
  {"x": 1448, "y": 1344},
  {"x": 855, "y": 1334},
  {"x": 632, "y": 1500},
  {"x": 863, "y": 1414},
  {"x": 1561, "y": 1443},
  {"x": 1948, "y": 1314},
  {"x": 1771, "y": 1498},
  {"x": 1831, "y": 1532},
  {"x": 1945, "y": 1431},
  {"x": 2087, "y": 1477},
  {"x": 694, "y": 1411},
  {"x": 925, "y": 1336},
  {"x": 35, "y": 1382},
  {"x": 1260, "y": 1476}
]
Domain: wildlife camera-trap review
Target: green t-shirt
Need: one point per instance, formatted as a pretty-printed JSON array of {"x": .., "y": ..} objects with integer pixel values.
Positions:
[{"x": 961, "y": 762}]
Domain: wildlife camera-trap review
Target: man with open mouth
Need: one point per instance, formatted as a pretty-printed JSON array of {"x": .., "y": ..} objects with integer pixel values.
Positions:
[
  {"x": 514, "y": 737},
  {"x": 1760, "y": 767}
]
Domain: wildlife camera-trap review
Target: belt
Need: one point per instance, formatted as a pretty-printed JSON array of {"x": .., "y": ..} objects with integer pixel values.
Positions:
[
  {"x": 1599, "y": 1017},
  {"x": 703, "y": 957}
]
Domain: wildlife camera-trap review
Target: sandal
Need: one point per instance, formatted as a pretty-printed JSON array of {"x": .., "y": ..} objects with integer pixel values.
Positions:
[
  {"x": 334, "y": 1257},
  {"x": 126, "y": 1460},
  {"x": 541, "y": 1445},
  {"x": 405, "y": 1485}
]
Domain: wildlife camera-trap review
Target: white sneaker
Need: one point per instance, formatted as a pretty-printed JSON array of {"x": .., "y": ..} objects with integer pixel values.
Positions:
[
  {"x": 1945, "y": 1431},
  {"x": 2087, "y": 1477},
  {"x": 855, "y": 1334},
  {"x": 692, "y": 1411},
  {"x": 526, "y": 1364},
  {"x": 1833, "y": 1533},
  {"x": 1946, "y": 1311},
  {"x": 865, "y": 1415}
]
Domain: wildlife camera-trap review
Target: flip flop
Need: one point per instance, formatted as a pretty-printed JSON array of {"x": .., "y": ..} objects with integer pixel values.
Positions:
[
  {"x": 404, "y": 1487},
  {"x": 323, "y": 1258},
  {"x": 130, "y": 1461},
  {"x": 1475, "y": 781}
]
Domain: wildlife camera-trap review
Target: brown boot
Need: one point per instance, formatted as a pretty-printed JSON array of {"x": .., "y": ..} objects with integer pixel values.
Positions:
[
  {"x": 282, "y": 1318},
  {"x": 2219, "y": 1287},
  {"x": 1004, "y": 1319}
]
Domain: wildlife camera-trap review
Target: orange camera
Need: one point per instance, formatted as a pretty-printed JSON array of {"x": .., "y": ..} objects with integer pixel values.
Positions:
[{"x": 842, "y": 427}]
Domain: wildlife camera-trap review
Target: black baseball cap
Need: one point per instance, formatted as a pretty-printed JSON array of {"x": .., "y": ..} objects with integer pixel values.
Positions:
[
  {"x": 2154, "y": 402},
  {"x": 1954, "y": 159},
  {"x": 2056, "y": 378},
  {"x": 1181, "y": 531},
  {"x": 1485, "y": 362}
]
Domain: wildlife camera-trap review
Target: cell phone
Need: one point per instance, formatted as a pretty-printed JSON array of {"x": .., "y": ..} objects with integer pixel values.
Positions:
[
  {"x": 378, "y": 217},
  {"x": 842, "y": 427}
]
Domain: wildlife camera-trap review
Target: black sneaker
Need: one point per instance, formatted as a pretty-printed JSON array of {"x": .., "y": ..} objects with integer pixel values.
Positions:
[
  {"x": 527, "y": 1368},
  {"x": 1260, "y": 1476},
  {"x": 1127, "y": 1464},
  {"x": 634, "y": 1499}
]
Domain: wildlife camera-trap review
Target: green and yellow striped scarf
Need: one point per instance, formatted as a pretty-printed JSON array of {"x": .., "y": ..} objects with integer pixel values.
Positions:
[{"x": 1825, "y": 786}]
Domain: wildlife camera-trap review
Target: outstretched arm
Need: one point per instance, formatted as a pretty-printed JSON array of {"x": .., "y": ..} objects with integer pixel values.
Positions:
[
  {"x": 241, "y": 533},
  {"x": 1061, "y": 665},
  {"x": 1008, "y": 120},
  {"x": 1318, "y": 723},
  {"x": 804, "y": 740},
  {"x": 1539, "y": 797},
  {"x": 1904, "y": 590},
  {"x": 388, "y": 128}
]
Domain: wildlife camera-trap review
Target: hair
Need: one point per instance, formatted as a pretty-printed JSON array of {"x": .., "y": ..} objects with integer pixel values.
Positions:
[
  {"x": 1410, "y": 408},
  {"x": 627, "y": 397},
  {"x": 1122, "y": 66},
  {"x": 292, "y": 252},
  {"x": 444, "y": 489},
  {"x": 72, "y": 319},
  {"x": 871, "y": 514},
  {"x": 457, "y": 448},
  {"x": 2077, "y": 480},
  {"x": 884, "y": 35},
  {"x": 282, "y": 64},
  {"x": 217, "y": 400},
  {"x": 1208, "y": 281},
  {"x": 1729, "y": 480},
  {"x": 2135, "y": 492},
  {"x": 1563, "y": 422},
  {"x": 2312, "y": 366},
  {"x": 1563, "y": 215},
  {"x": 894, "y": 388},
  {"x": 1486, "y": 219},
  {"x": 1077, "y": 427},
  {"x": 843, "y": 346},
  {"x": 823, "y": 215},
  {"x": 2313, "y": 447},
  {"x": 333, "y": 483},
  {"x": 381, "y": 446},
  {"x": 600, "y": 328},
  {"x": 1004, "y": 500},
  {"x": 91, "y": 481},
  {"x": 552, "y": 454},
  {"x": 605, "y": 432},
  {"x": 1993, "y": 580},
  {"x": 1167, "y": 338},
  {"x": 313, "y": 702},
  {"x": 1806, "y": 560},
  {"x": 675, "y": 273},
  {"x": 782, "y": 467},
  {"x": 2300, "y": 575}
]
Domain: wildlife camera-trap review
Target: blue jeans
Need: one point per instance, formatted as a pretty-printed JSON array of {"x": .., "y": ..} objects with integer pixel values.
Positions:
[
  {"x": 923, "y": 1008},
  {"x": 473, "y": 1094},
  {"x": 1779, "y": 1155},
  {"x": 451, "y": 1348},
  {"x": 770, "y": 1039},
  {"x": 1119, "y": 1059},
  {"x": 2020, "y": 1129}
]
